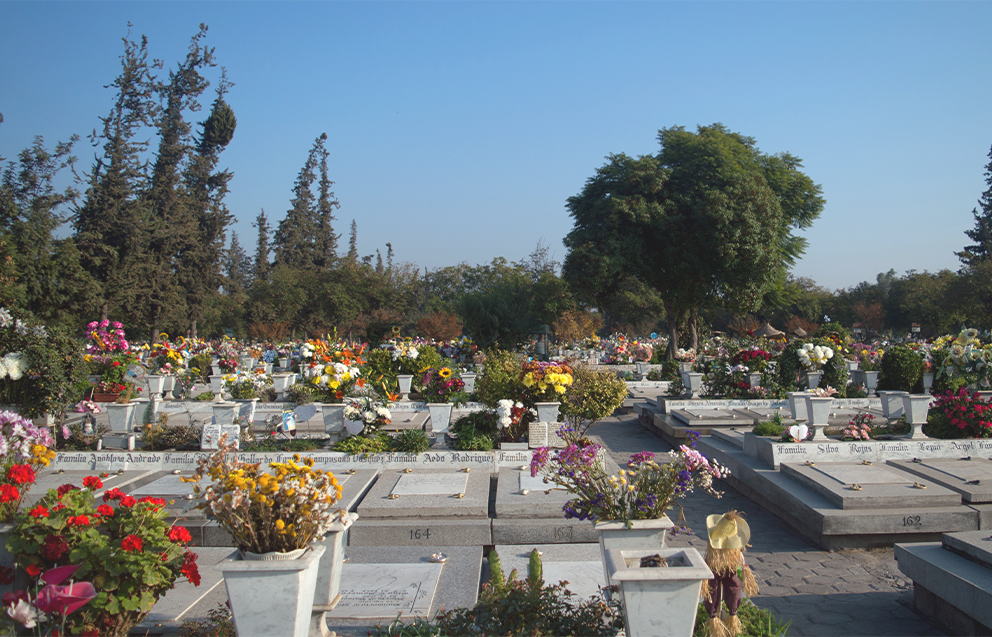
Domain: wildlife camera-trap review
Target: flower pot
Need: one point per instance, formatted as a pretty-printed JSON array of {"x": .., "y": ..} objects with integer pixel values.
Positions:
[
  {"x": 642, "y": 534},
  {"x": 818, "y": 413},
  {"x": 216, "y": 370},
  {"x": 693, "y": 382},
  {"x": 892, "y": 403},
  {"x": 217, "y": 385},
  {"x": 224, "y": 413},
  {"x": 280, "y": 383},
  {"x": 284, "y": 363},
  {"x": 870, "y": 381},
  {"x": 404, "y": 380},
  {"x": 248, "y": 363},
  {"x": 120, "y": 415},
  {"x": 852, "y": 366},
  {"x": 927, "y": 382},
  {"x": 754, "y": 380},
  {"x": 272, "y": 597},
  {"x": 916, "y": 408},
  {"x": 246, "y": 409},
  {"x": 440, "y": 417},
  {"x": 658, "y": 600},
  {"x": 267, "y": 367},
  {"x": 685, "y": 367},
  {"x": 797, "y": 406},
  {"x": 328, "y": 590},
  {"x": 169, "y": 383},
  {"x": 642, "y": 369},
  {"x": 547, "y": 412},
  {"x": 813, "y": 379},
  {"x": 469, "y": 379},
  {"x": 156, "y": 384},
  {"x": 333, "y": 415}
]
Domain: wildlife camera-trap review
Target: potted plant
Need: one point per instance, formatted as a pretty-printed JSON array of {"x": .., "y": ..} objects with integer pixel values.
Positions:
[
  {"x": 331, "y": 375},
  {"x": 123, "y": 546},
  {"x": 442, "y": 390},
  {"x": 629, "y": 509},
  {"x": 546, "y": 383},
  {"x": 276, "y": 519}
]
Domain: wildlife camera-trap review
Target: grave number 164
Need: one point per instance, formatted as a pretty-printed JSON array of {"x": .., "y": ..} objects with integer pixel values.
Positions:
[{"x": 417, "y": 534}]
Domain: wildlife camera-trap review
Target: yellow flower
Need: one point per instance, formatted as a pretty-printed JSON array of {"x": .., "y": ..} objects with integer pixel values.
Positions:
[{"x": 444, "y": 372}]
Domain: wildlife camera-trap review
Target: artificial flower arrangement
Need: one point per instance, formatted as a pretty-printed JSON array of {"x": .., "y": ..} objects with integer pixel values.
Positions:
[
  {"x": 282, "y": 510},
  {"x": 869, "y": 357},
  {"x": 511, "y": 419},
  {"x": 814, "y": 357},
  {"x": 245, "y": 385},
  {"x": 859, "y": 428},
  {"x": 23, "y": 448},
  {"x": 51, "y": 604},
  {"x": 546, "y": 381},
  {"x": 121, "y": 544},
  {"x": 227, "y": 365},
  {"x": 368, "y": 409},
  {"x": 754, "y": 359},
  {"x": 168, "y": 360},
  {"x": 442, "y": 386},
  {"x": 333, "y": 374},
  {"x": 685, "y": 355},
  {"x": 965, "y": 360},
  {"x": 644, "y": 490},
  {"x": 405, "y": 355}
]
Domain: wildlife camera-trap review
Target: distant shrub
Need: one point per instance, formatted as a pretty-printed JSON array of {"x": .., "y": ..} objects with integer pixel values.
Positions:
[{"x": 902, "y": 369}]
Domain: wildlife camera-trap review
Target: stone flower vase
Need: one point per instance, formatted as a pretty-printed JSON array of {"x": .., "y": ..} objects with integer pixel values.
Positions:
[
  {"x": 797, "y": 406},
  {"x": 440, "y": 416},
  {"x": 328, "y": 589},
  {"x": 642, "y": 369},
  {"x": 658, "y": 600},
  {"x": 280, "y": 383},
  {"x": 927, "y": 382},
  {"x": 892, "y": 403},
  {"x": 469, "y": 379},
  {"x": 547, "y": 412},
  {"x": 818, "y": 415},
  {"x": 405, "y": 381},
  {"x": 225, "y": 412},
  {"x": 272, "y": 596},
  {"x": 871, "y": 381},
  {"x": 170, "y": 384},
  {"x": 693, "y": 382},
  {"x": 156, "y": 384},
  {"x": 916, "y": 408},
  {"x": 120, "y": 415},
  {"x": 643, "y": 534},
  {"x": 813, "y": 379}
]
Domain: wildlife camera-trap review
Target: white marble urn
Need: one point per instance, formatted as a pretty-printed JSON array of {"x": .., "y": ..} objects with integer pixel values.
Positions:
[
  {"x": 658, "y": 600},
  {"x": 405, "y": 381},
  {"x": 642, "y": 534},
  {"x": 272, "y": 597},
  {"x": 156, "y": 384},
  {"x": 440, "y": 416}
]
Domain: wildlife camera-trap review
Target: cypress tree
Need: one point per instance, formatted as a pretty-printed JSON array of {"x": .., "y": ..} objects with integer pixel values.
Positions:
[
  {"x": 237, "y": 267},
  {"x": 295, "y": 239},
  {"x": 981, "y": 234},
  {"x": 353, "y": 242},
  {"x": 262, "y": 269},
  {"x": 327, "y": 241}
]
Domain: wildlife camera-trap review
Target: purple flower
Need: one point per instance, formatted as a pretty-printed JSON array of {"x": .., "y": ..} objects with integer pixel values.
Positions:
[
  {"x": 640, "y": 457},
  {"x": 538, "y": 460}
]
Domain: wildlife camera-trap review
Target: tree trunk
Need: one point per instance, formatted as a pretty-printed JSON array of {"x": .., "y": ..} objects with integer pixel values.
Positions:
[
  {"x": 673, "y": 317},
  {"x": 155, "y": 328},
  {"x": 103, "y": 311},
  {"x": 693, "y": 332},
  {"x": 192, "y": 331}
]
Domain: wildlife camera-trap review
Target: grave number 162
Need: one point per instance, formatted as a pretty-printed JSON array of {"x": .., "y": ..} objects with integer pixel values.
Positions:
[{"x": 912, "y": 520}]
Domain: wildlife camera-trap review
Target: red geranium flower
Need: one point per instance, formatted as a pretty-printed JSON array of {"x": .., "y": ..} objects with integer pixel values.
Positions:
[
  {"x": 92, "y": 482},
  {"x": 128, "y": 501},
  {"x": 66, "y": 488},
  {"x": 132, "y": 544},
  {"x": 9, "y": 493},
  {"x": 157, "y": 502},
  {"x": 58, "y": 507},
  {"x": 112, "y": 494},
  {"x": 105, "y": 510},
  {"x": 38, "y": 512},
  {"x": 79, "y": 520},
  {"x": 180, "y": 534},
  {"x": 20, "y": 474},
  {"x": 33, "y": 570},
  {"x": 189, "y": 567}
]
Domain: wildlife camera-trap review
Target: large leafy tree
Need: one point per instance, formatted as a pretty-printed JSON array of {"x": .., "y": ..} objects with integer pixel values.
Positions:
[
  {"x": 981, "y": 234},
  {"x": 707, "y": 221}
]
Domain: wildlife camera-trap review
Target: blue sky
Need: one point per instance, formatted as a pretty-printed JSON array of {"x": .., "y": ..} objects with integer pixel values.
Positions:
[{"x": 458, "y": 130}]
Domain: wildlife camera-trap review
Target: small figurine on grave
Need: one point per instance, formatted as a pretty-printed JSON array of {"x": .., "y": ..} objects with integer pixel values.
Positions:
[{"x": 728, "y": 538}]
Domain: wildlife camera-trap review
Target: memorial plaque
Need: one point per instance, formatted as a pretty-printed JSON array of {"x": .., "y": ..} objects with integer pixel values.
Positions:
[
  {"x": 305, "y": 412},
  {"x": 877, "y": 486},
  {"x": 699, "y": 416},
  {"x": 537, "y": 435},
  {"x": 212, "y": 433},
  {"x": 536, "y": 483},
  {"x": 373, "y": 591},
  {"x": 431, "y": 484}
]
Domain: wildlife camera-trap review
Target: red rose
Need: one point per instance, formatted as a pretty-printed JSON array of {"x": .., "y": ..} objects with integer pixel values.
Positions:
[
  {"x": 9, "y": 493},
  {"x": 132, "y": 544},
  {"x": 20, "y": 474},
  {"x": 105, "y": 510},
  {"x": 92, "y": 482},
  {"x": 180, "y": 534}
]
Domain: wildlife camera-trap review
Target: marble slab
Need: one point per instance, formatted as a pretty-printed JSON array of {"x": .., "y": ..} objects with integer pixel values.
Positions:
[
  {"x": 878, "y": 451},
  {"x": 706, "y": 417},
  {"x": 881, "y": 487},
  {"x": 535, "y": 483},
  {"x": 431, "y": 484},
  {"x": 580, "y": 565},
  {"x": 975, "y": 545},
  {"x": 969, "y": 476},
  {"x": 374, "y": 591},
  {"x": 176, "y": 604},
  {"x": 667, "y": 404}
]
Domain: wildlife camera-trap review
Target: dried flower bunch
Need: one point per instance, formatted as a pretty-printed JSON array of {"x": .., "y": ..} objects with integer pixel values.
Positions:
[{"x": 280, "y": 511}]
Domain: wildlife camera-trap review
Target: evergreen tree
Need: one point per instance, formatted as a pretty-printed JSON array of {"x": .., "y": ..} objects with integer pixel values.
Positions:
[
  {"x": 108, "y": 224},
  {"x": 237, "y": 267},
  {"x": 327, "y": 241},
  {"x": 298, "y": 241},
  {"x": 262, "y": 268},
  {"x": 981, "y": 251},
  {"x": 353, "y": 242},
  {"x": 199, "y": 264},
  {"x": 172, "y": 224},
  {"x": 389, "y": 256}
]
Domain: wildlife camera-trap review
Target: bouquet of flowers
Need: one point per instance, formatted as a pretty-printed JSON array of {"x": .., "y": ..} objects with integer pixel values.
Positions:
[
  {"x": 245, "y": 385},
  {"x": 644, "y": 490},
  {"x": 368, "y": 410},
  {"x": 511, "y": 419},
  {"x": 284, "y": 509},
  {"x": 442, "y": 386},
  {"x": 959, "y": 414},
  {"x": 685, "y": 355},
  {"x": 23, "y": 448},
  {"x": 405, "y": 357},
  {"x": 227, "y": 365},
  {"x": 123, "y": 546},
  {"x": 546, "y": 381},
  {"x": 859, "y": 428},
  {"x": 754, "y": 359},
  {"x": 814, "y": 357},
  {"x": 967, "y": 361},
  {"x": 333, "y": 374}
]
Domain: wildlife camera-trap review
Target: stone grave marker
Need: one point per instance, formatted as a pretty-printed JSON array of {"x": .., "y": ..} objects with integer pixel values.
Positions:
[
  {"x": 383, "y": 591},
  {"x": 544, "y": 434},
  {"x": 578, "y": 564},
  {"x": 431, "y": 484},
  {"x": 970, "y": 476},
  {"x": 535, "y": 483},
  {"x": 872, "y": 486}
]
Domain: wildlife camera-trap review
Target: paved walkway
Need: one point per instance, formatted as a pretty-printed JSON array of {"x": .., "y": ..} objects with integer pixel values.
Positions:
[{"x": 848, "y": 593}]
